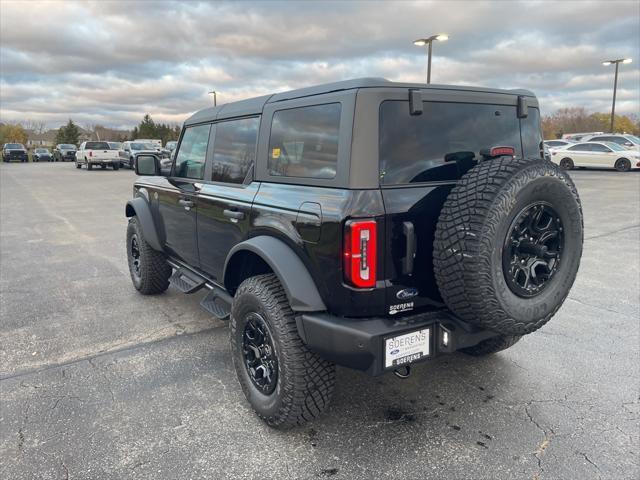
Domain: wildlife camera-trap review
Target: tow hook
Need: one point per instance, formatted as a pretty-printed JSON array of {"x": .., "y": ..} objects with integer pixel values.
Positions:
[{"x": 403, "y": 372}]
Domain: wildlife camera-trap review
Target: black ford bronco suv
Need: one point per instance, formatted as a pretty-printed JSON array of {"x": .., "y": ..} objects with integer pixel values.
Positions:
[{"x": 364, "y": 223}]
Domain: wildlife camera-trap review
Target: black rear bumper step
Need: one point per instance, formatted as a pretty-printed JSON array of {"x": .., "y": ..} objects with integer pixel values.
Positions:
[{"x": 186, "y": 281}]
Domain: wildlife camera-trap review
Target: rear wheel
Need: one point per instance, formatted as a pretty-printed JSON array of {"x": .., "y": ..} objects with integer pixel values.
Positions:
[
  {"x": 116, "y": 166},
  {"x": 78, "y": 165},
  {"x": 566, "y": 164},
  {"x": 89, "y": 165},
  {"x": 623, "y": 165},
  {"x": 285, "y": 382},
  {"x": 508, "y": 244},
  {"x": 149, "y": 269}
]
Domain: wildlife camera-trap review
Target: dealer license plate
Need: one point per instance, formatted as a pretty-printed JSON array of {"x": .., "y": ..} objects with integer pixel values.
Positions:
[{"x": 406, "y": 348}]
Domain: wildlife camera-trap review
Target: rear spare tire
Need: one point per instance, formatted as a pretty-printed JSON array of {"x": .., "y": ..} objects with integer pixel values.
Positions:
[{"x": 508, "y": 244}]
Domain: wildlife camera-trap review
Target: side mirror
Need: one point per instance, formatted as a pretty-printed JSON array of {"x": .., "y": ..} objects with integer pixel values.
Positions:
[{"x": 147, "y": 165}]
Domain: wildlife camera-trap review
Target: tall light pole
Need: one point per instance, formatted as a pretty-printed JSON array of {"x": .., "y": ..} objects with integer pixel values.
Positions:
[
  {"x": 428, "y": 42},
  {"x": 215, "y": 101},
  {"x": 615, "y": 85}
]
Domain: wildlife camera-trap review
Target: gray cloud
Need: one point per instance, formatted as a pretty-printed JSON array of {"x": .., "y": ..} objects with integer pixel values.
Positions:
[{"x": 111, "y": 62}]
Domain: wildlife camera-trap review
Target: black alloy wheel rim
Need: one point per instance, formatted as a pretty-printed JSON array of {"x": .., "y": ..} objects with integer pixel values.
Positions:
[
  {"x": 532, "y": 249},
  {"x": 135, "y": 256},
  {"x": 259, "y": 355}
]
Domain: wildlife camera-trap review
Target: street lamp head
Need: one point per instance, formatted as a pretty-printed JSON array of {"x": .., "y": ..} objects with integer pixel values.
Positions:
[
  {"x": 442, "y": 37},
  {"x": 421, "y": 42},
  {"x": 627, "y": 60},
  {"x": 606, "y": 63}
]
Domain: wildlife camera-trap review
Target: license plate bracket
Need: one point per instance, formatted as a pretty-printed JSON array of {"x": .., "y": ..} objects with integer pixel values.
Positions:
[{"x": 407, "y": 347}]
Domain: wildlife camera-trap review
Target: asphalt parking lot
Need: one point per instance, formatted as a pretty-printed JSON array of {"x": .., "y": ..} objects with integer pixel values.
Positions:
[{"x": 97, "y": 381}]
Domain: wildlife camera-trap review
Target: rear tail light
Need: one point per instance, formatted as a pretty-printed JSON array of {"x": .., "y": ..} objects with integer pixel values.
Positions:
[
  {"x": 360, "y": 253},
  {"x": 638, "y": 164},
  {"x": 499, "y": 151},
  {"x": 90, "y": 153}
]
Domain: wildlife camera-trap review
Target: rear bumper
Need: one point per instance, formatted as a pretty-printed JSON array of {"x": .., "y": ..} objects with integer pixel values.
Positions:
[{"x": 359, "y": 343}]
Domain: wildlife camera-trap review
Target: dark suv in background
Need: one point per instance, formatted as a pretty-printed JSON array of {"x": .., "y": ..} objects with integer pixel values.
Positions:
[
  {"x": 364, "y": 223},
  {"x": 64, "y": 152},
  {"x": 14, "y": 152}
]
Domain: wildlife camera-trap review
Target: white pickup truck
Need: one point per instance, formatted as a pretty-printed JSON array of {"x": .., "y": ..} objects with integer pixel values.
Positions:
[{"x": 97, "y": 153}]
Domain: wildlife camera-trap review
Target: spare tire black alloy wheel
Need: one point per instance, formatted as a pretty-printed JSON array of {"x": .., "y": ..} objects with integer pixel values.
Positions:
[
  {"x": 259, "y": 355},
  {"x": 532, "y": 248},
  {"x": 508, "y": 244}
]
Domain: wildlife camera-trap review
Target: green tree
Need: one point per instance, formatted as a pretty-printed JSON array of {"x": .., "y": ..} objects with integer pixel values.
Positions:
[
  {"x": 147, "y": 127},
  {"x": 10, "y": 133},
  {"x": 68, "y": 134}
]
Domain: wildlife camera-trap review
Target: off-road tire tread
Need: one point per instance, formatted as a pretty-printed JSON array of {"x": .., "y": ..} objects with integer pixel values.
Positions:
[
  {"x": 309, "y": 390},
  {"x": 491, "y": 345},
  {"x": 155, "y": 271},
  {"x": 462, "y": 246}
]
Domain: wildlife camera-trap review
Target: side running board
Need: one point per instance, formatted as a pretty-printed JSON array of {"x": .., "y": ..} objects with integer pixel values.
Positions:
[
  {"x": 217, "y": 303},
  {"x": 186, "y": 281}
]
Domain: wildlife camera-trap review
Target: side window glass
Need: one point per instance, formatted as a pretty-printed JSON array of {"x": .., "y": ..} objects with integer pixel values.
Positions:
[
  {"x": 193, "y": 151},
  {"x": 599, "y": 148},
  {"x": 234, "y": 149},
  {"x": 304, "y": 142}
]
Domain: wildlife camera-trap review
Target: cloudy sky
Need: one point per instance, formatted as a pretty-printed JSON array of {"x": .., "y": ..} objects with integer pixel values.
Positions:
[{"x": 109, "y": 63}]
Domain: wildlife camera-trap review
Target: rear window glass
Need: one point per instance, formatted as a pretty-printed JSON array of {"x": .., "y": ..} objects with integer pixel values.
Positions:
[
  {"x": 14, "y": 145},
  {"x": 96, "y": 146},
  {"x": 428, "y": 147},
  {"x": 304, "y": 142}
]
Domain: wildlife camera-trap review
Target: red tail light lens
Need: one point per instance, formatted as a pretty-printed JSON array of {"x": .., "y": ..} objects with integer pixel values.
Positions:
[
  {"x": 90, "y": 153},
  {"x": 499, "y": 151},
  {"x": 360, "y": 253}
]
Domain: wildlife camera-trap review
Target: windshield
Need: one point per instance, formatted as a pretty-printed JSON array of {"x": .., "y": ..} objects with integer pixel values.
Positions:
[
  {"x": 142, "y": 146},
  {"x": 66, "y": 146},
  {"x": 614, "y": 146},
  {"x": 434, "y": 145},
  {"x": 635, "y": 140},
  {"x": 14, "y": 145},
  {"x": 41, "y": 150}
]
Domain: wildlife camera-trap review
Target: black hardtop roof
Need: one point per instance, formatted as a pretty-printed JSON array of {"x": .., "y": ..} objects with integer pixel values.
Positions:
[{"x": 255, "y": 105}]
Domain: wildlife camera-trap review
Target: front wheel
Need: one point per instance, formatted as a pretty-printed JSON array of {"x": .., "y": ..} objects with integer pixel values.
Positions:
[
  {"x": 623, "y": 165},
  {"x": 285, "y": 382},
  {"x": 149, "y": 269}
]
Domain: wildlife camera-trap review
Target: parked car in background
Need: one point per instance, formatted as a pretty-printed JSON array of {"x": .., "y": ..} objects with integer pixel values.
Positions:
[
  {"x": 596, "y": 154},
  {"x": 627, "y": 141},
  {"x": 131, "y": 150},
  {"x": 115, "y": 145},
  {"x": 579, "y": 137},
  {"x": 64, "y": 152},
  {"x": 97, "y": 153},
  {"x": 169, "y": 148},
  {"x": 14, "y": 151},
  {"x": 42, "y": 155},
  {"x": 156, "y": 142},
  {"x": 558, "y": 143}
]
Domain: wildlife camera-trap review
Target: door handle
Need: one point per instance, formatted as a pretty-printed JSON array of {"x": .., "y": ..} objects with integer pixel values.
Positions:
[
  {"x": 233, "y": 214},
  {"x": 187, "y": 204}
]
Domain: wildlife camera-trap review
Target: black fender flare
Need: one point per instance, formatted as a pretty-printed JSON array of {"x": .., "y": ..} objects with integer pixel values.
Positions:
[
  {"x": 294, "y": 276},
  {"x": 139, "y": 208}
]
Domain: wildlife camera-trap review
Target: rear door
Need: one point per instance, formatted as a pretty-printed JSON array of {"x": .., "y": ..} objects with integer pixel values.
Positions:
[
  {"x": 421, "y": 157},
  {"x": 602, "y": 155},
  {"x": 224, "y": 203},
  {"x": 178, "y": 204}
]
